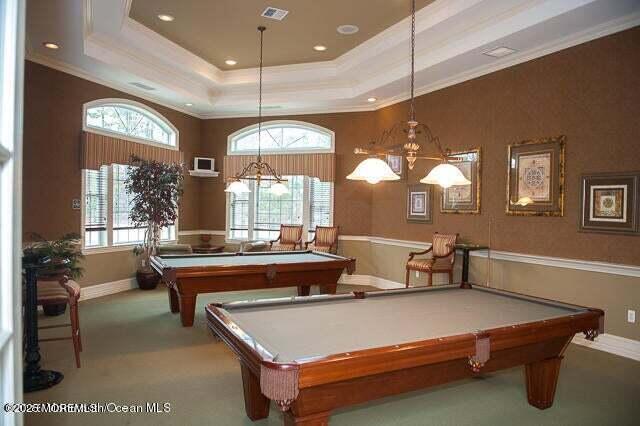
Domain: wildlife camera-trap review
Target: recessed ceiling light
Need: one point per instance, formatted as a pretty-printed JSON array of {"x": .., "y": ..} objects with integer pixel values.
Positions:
[
  {"x": 50, "y": 45},
  {"x": 166, "y": 18},
  {"x": 188, "y": 104},
  {"x": 348, "y": 29},
  {"x": 372, "y": 99},
  {"x": 320, "y": 48},
  {"x": 230, "y": 62},
  {"x": 499, "y": 52}
]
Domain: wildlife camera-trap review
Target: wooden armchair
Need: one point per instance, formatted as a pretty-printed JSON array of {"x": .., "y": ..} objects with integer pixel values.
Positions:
[
  {"x": 325, "y": 240},
  {"x": 290, "y": 237},
  {"x": 443, "y": 249}
]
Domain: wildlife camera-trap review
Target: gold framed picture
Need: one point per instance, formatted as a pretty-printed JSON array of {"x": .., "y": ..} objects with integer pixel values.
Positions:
[
  {"x": 464, "y": 198},
  {"x": 419, "y": 203},
  {"x": 609, "y": 203},
  {"x": 535, "y": 177}
]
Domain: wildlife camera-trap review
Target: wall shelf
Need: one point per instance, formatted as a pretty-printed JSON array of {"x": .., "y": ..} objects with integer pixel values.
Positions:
[{"x": 202, "y": 173}]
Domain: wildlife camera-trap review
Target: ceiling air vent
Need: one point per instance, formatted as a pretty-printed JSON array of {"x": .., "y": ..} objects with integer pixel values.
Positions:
[
  {"x": 499, "y": 52},
  {"x": 142, "y": 86},
  {"x": 274, "y": 13}
]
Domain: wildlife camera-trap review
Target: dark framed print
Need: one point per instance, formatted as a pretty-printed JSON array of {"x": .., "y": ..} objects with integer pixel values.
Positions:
[
  {"x": 396, "y": 162},
  {"x": 535, "y": 177},
  {"x": 420, "y": 203},
  {"x": 609, "y": 203},
  {"x": 464, "y": 198}
]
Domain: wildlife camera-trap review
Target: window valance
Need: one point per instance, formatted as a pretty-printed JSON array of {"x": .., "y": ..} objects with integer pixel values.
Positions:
[
  {"x": 99, "y": 150},
  {"x": 321, "y": 166}
]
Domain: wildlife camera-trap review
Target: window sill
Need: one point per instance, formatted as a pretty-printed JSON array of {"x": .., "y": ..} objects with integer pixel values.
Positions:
[
  {"x": 112, "y": 249},
  {"x": 117, "y": 248}
]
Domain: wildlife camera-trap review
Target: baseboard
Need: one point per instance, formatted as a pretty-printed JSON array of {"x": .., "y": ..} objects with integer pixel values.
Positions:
[
  {"x": 609, "y": 343},
  {"x": 105, "y": 289},
  {"x": 612, "y": 344},
  {"x": 370, "y": 280}
]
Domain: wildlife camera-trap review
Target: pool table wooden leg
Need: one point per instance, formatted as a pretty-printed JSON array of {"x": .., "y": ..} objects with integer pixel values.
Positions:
[
  {"x": 328, "y": 288},
  {"x": 542, "y": 378},
  {"x": 174, "y": 305},
  {"x": 304, "y": 290},
  {"x": 316, "y": 419},
  {"x": 256, "y": 404},
  {"x": 187, "y": 309}
]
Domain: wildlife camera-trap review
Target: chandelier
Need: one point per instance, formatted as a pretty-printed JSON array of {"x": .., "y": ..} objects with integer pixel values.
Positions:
[
  {"x": 258, "y": 170},
  {"x": 374, "y": 169}
]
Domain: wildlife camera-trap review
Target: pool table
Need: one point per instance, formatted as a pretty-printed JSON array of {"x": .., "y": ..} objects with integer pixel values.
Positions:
[
  {"x": 188, "y": 275},
  {"x": 311, "y": 355}
]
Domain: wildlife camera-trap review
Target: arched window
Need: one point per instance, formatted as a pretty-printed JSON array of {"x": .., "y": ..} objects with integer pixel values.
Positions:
[
  {"x": 129, "y": 120},
  {"x": 281, "y": 137},
  {"x": 106, "y": 222},
  {"x": 258, "y": 214}
]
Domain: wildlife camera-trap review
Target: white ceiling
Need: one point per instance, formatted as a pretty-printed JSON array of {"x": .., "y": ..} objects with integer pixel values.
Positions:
[{"x": 101, "y": 43}]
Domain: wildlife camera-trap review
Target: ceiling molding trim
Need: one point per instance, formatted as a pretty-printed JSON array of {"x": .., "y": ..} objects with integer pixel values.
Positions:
[
  {"x": 599, "y": 31},
  {"x": 77, "y": 72}
]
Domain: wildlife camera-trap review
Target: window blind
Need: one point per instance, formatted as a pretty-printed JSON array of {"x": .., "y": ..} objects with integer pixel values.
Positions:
[
  {"x": 320, "y": 203},
  {"x": 95, "y": 211}
]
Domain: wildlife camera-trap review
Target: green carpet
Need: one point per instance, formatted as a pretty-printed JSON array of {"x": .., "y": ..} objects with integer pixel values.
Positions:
[{"x": 136, "y": 351}]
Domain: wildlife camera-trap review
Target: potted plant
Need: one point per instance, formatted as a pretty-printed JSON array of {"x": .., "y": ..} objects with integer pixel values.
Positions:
[
  {"x": 64, "y": 256},
  {"x": 156, "y": 188}
]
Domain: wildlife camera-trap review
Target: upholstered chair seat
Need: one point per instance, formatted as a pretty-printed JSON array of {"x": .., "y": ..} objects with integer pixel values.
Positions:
[
  {"x": 290, "y": 238},
  {"x": 443, "y": 256},
  {"x": 324, "y": 240}
]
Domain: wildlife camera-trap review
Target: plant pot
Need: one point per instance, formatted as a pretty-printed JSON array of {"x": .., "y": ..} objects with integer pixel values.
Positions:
[
  {"x": 54, "y": 310},
  {"x": 147, "y": 280}
]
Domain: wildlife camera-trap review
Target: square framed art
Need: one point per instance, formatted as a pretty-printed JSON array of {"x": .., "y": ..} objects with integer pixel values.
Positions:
[
  {"x": 609, "y": 203},
  {"x": 420, "y": 203},
  {"x": 535, "y": 177},
  {"x": 464, "y": 198}
]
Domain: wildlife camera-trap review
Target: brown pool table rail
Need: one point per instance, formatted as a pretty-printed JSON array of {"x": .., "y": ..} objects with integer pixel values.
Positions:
[
  {"x": 308, "y": 386},
  {"x": 184, "y": 283}
]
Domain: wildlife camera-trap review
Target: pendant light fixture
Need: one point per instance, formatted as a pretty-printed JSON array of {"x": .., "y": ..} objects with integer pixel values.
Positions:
[
  {"x": 258, "y": 170},
  {"x": 374, "y": 170}
]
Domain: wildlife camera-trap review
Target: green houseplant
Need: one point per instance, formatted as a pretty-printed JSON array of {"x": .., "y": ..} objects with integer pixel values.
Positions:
[
  {"x": 64, "y": 254},
  {"x": 156, "y": 188}
]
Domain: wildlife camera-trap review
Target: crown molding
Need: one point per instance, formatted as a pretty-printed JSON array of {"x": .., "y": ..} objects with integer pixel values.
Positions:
[
  {"x": 80, "y": 73},
  {"x": 450, "y": 34}
]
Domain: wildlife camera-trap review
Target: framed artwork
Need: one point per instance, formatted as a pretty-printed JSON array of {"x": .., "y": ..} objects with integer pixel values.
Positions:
[
  {"x": 464, "y": 198},
  {"x": 609, "y": 203},
  {"x": 396, "y": 162},
  {"x": 420, "y": 203},
  {"x": 535, "y": 177}
]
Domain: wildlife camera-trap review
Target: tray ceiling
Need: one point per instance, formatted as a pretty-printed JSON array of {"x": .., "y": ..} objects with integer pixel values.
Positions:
[
  {"x": 226, "y": 29},
  {"x": 99, "y": 41}
]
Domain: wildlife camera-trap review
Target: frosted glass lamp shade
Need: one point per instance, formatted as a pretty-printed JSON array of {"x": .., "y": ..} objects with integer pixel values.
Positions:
[
  {"x": 279, "y": 189},
  {"x": 373, "y": 170},
  {"x": 445, "y": 175},
  {"x": 237, "y": 187}
]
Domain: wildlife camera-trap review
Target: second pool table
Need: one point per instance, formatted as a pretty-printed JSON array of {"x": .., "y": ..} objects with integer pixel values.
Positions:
[
  {"x": 188, "y": 275},
  {"x": 311, "y": 355}
]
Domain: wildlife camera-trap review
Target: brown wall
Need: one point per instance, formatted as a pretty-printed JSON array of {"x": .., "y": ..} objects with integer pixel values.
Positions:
[
  {"x": 352, "y": 210},
  {"x": 590, "y": 93},
  {"x": 52, "y": 129}
]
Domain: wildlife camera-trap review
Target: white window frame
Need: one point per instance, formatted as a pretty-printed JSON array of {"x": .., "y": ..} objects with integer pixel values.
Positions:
[
  {"x": 306, "y": 219},
  {"x": 251, "y": 208},
  {"x": 110, "y": 247},
  {"x": 161, "y": 119},
  {"x": 12, "y": 35},
  {"x": 281, "y": 123}
]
